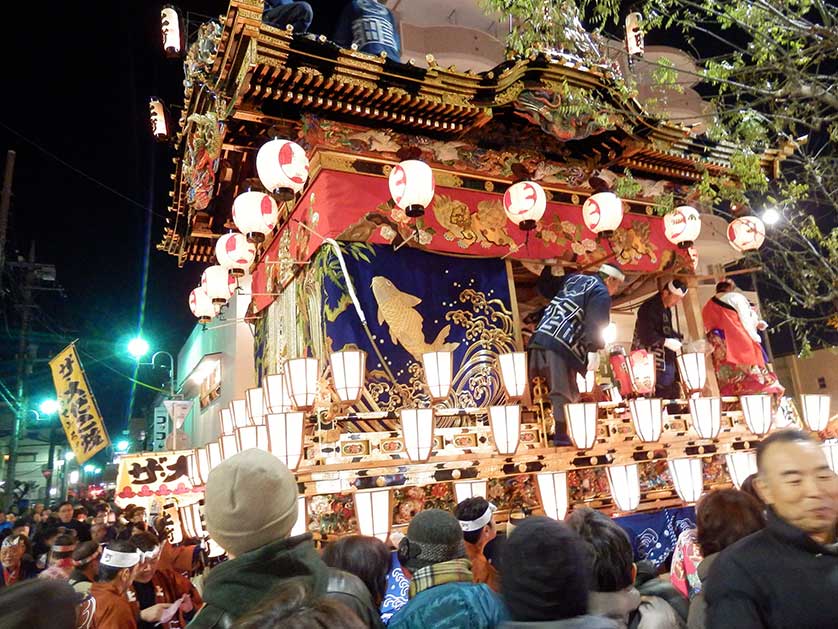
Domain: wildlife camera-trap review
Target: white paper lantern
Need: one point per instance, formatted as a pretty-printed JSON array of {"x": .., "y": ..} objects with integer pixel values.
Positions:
[
  {"x": 513, "y": 373},
  {"x": 202, "y": 464},
  {"x": 647, "y": 417},
  {"x": 746, "y": 233},
  {"x": 625, "y": 486},
  {"x": 815, "y": 411},
  {"x": 301, "y": 376},
  {"x": 581, "y": 423},
  {"x": 301, "y": 525},
  {"x": 417, "y": 426},
  {"x": 682, "y": 226},
  {"x": 706, "y": 413},
  {"x": 227, "y": 423},
  {"x": 229, "y": 446},
  {"x": 830, "y": 450},
  {"x": 634, "y": 35},
  {"x": 255, "y": 214},
  {"x": 412, "y": 186},
  {"x": 505, "y": 422},
  {"x": 586, "y": 383},
  {"x": 757, "y": 411},
  {"x": 218, "y": 284},
  {"x": 349, "y": 367},
  {"x": 170, "y": 28},
  {"x": 201, "y": 305},
  {"x": 465, "y": 489},
  {"x": 602, "y": 213},
  {"x": 255, "y": 401},
  {"x": 688, "y": 477},
  {"x": 439, "y": 371},
  {"x": 277, "y": 397},
  {"x": 740, "y": 465},
  {"x": 374, "y": 512},
  {"x": 285, "y": 437},
  {"x": 524, "y": 203},
  {"x": 214, "y": 455},
  {"x": 282, "y": 167},
  {"x": 552, "y": 487},
  {"x": 235, "y": 253},
  {"x": 693, "y": 368},
  {"x": 252, "y": 437},
  {"x": 239, "y": 410},
  {"x": 159, "y": 119}
]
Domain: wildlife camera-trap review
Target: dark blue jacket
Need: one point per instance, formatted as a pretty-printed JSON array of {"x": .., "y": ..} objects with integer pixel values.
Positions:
[
  {"x": 575, "y": 317},
  {"x": 369, "y": 25}
]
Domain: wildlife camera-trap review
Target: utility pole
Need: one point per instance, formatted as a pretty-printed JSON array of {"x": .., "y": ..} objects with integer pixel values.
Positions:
[
  {"x": 50, "y": 460},
  {"x": 5, "y": 203}
]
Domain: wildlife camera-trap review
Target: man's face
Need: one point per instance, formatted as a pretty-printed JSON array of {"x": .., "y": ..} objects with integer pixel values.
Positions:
[
  {"x": 99, "y": 518},
  {"x": 613, "y": 285},
  {"x": 39, "y": 508},
  {"x": 10, "y": 556},
  {"x": 65, "y": 513},
  {"x": 147, "y": 568},
  {"x": 23, "y": 530},
  {"x": 670, "y": 299},
  {"x": 138, "y": 516},
  {"x": 11, "y": 517},
  {"x": 98, "y": 533},
  {"x": 46, "y": 513},
  {"x": 798, "y": 484},
  {"x": 490, "y": 531}
]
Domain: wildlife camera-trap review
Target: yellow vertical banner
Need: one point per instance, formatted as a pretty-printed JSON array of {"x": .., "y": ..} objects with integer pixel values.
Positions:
[{"x": 79, "y": 412}]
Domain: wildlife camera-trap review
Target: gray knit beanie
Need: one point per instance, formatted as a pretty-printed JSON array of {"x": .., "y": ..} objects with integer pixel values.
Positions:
[
  {"x": 433, "y": 536},
  {"x": 250, "y": 501}
]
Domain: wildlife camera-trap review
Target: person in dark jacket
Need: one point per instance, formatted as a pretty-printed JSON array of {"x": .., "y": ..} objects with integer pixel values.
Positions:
[
  {"x": 653, "y": 331},
  {"x": 786, "y": 574},
  {"x": 280, "y": 13},
  {"x": 368, "y": 559},
  {"x": 569, "y": 334},
  {"x": 67, "y": 519},
  {"x": 544, "y": 578}
]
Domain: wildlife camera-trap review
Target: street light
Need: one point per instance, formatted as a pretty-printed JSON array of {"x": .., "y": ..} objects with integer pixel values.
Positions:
[
  {"x": 69, "y": 456},
  {"x": 49, "y": 407},
  {"x": 89, "y": 468},
  {"x": 771, "y": 216},
  {"x": 122, "y": 446},
  {"x": 138, "y": 347}
]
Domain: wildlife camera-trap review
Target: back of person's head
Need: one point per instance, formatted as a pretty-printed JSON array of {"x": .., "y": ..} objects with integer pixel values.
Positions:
[
  {"x": 470, "y": 510},
  {"x": 108, "y": 572},
  {"x": 146, "y": 541},
  {"x": 725, "y": 286},
  {"x": 433, "y": 536},
  {"x": 545, "y": 572},
  {"x": 749, "y": 487},
  {"x": 725, "y": 516},
  {"x": 609, "y": 547},
  {"x": 85, "y": 553},
  {"x": 250, "y": 501},
  {"x": 62, "y": 549},
  {"x": 39, "y": 604},
  {"x": 293, "y": 606},
  {"x": 365, "y": 557}
]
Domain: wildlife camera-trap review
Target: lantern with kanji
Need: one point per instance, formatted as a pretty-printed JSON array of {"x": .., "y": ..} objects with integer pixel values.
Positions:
[
  {"x": 282, "y": 167},
  {"x": 682, "y": 226},
  {"x": 159, "y": 118},
  {"x": 172, "y": 32},
  {"x": 602, "y": 213},
  {"x": 746, "y": 233},
  {"x": 255, "y": 214},
  {"x": 201, "y": 305},
  {"x": 235, "y": 253},
  {"x": 218, "y": 284},
  {"x": 524, "y": 204},
  {"x": 412, "y": 186},
  {"x": 642, "y": 371},
  {"x": 634, "y": 35}
]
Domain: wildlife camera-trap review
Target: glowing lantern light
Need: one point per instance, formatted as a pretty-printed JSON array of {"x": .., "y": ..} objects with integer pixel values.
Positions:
[
  {"x": 277, "y": 398},
  {"x": 301, "y": 525},
  {"x": 202, "y": 465},
  {"x": 746, "y": 233},
  {"x": 586, "y": 383},
  {"x": 815, "y": 411},
  {"x": 682, "y": 226},
  {"x": 609, "y": 333},
  {"x": 757, "y": 411},
  {"x": 688, "y": 477},
  {"x": 647, "y": 417},
  {"x": 255, "y": 214},
  {"x": 227, "y": 423},
  {"x": 602, "y": 213},
  {"x": 159, "y": 118},
  {"x": 374, "y": 512},
  {"x": 740, "y": 465},
  {"x": 693, "y": 368},
  {"x": 830, "y": 450},
  {"x": 513, "y": 372},
  {"x": 285, "y": 437},
  {"x": 552, "y": 487},
  {"x": 505, "y": 422},
  {"x": 348, "y": 370},
  {"x": 229, "y": 446},
  {"x": 634, "y": 35},
  {"x": 418, "y": 433},
  {"x": 642, "y": 371},
  {"x": 218, "y": 284},
  {"x": 706, "y": 413},
  {"x": 239, "y": 410},
  {"x": 214, "y": 456},
  {"x": 235, "y": 253},
  {"x": 201, "y": 305},
  {"x": 524, "y": 203},
  {"x": 625, "y": 486},
  {"x": 192, "y": 466},
  {"x": 412, "y": 186},
  {"x": 253, "y": 437},
  {"x": 170, "y": 28},
  {"x": 581, "y": 422},
  {"x": 255, "y": 404},
  {"x": 466, "y": 489},
  {"x": 439, "y": 371},
  {"x": 282, "y": 167},
  {"x": 301, "y": 376}
]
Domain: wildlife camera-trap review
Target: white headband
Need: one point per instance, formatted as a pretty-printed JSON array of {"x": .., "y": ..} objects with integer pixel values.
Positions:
[
  {"x": 116, "y": 559},
  {"x": 613, "y": 271},
  {"x": 479, "y": 523},
  {"x": 675, "y": 290},
  {"x": 150, "y": 554}
]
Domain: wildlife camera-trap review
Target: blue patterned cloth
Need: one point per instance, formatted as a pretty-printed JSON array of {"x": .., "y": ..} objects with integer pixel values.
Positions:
[
  {"x": 397, "y": 587},
  {"x": 654, "y": 535}
]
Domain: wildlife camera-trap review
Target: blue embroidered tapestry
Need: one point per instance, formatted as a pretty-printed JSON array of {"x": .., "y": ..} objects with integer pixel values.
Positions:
[{"x": 654, "y": 535}]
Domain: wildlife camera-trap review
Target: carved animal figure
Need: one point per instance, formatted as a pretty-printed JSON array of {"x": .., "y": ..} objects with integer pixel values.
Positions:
[{"x": 398, "y": 310}]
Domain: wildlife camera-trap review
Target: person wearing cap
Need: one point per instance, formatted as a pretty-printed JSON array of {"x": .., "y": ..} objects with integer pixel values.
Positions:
[
  {"x": 15, "y": 567},
  {"x": 85, "y": 566},
  {"x": 653, "y": 331},
  {"x": 153, "y": 584},
  {"x": 476, "y": 518},
  {"x": 117, "y": 567},
  {"x": 442, "y": 591},
  {"x": 566, "y": 341}
]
